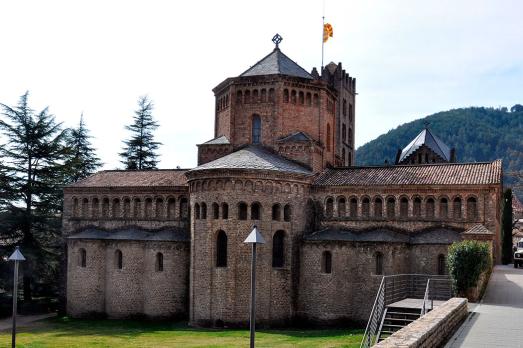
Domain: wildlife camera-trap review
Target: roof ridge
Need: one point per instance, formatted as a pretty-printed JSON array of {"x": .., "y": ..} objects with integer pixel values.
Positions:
[{"x": 417, "y": 165}]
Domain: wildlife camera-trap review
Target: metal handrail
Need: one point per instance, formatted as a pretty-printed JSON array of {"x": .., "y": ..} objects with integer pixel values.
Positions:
[
  {"x": 425, "y": 299},
  {"x": 366, "y": 342}
]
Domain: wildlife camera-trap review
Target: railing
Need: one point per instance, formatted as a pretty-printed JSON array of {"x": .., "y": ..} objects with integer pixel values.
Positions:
[
  {"x": 398, "y": 287},
  {"x": 371, "y": 331}
]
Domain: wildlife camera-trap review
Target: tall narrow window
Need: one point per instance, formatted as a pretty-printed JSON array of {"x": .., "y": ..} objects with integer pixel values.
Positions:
[
  {"x": 105, "y": 208},
  {"x": 456, "y": 207},
  {"x": 196, "y": 211},
  {"x": 148, "y": 209},
  {"x": 159, "y": 262},
  {"x": 82, "y": 261},
  {"x": 221, "y": 249},
  {"x": 301, "y": 97},
  {"x": 203, "y": 212},
  {"x": 365, "y": 207},
  {"x": 184, "y": 208},
  {"x": 255, "y": 211},
  {"x": 75, "y": 207},
  {"x": 328, "y": 141},
  {"x": 263, "y": 95},
  {"x": 287, "y": 213},
  {"x": 391, "y": 207},
  {"x": 239, "y": 97},
  {"x": 429, "y": 208},
  {"x": 158, "y": 213},
  {"x": 215, "y": 211},
  {"x": 329, "y": 207},
  {"x": 85, "y": 207},
  {"x": 472, "y": 208},
  {"x": 343, "y": 132},
  {"x": 171, "y": 208},
  {"x": 276, "y": 212},
  {"x": 127, "y": 208},
  {"x": 285, "y": 95},
  {"x": 95, "y": 208},
  {"x": 225, "y": 211},
  {"x": 118, "y": 259},
  {"x": 379, "y": 263},
  {"x": 416, "y": 208},
  {"x": 271, "y": 95},
  {"x": 404, "y": 207},
  {"x": 256, "y": 129},
  {"x": 443, "y": 208},
  {"x": 293, "y": 96},
  {"x": 441, "y": 264},
  {"x": 341, "y": 206},
  {"x": 308, "y": 99},
  {"x": 326, "y": 262},
  {"x": 378, "y": 207},
  {"x": 242, "y": 211},
  {"x": 115, "y": 211},
  {"x": 278, "y": 255},
  {"x": 353, "y": 208}
]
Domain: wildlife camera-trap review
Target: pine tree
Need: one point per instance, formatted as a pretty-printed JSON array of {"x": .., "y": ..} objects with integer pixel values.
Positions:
[
  {"x": 81, "y": 158},
  {"x": 140, "y": 150},
  {"x": 33, "y": 161},
  {"x": 506, "y": 226}
]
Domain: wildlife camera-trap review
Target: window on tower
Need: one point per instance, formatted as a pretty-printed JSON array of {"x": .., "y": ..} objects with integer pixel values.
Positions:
[{"x": 256, "y": 129}]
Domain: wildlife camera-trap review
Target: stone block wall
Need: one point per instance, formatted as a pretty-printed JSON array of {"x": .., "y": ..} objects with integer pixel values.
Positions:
[{"x": 431, "y": 330}]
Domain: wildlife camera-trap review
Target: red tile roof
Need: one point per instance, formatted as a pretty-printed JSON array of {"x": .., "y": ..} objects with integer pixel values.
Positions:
[
  {"x": 425, "y": 174},
  {"x": 135, "y": 178}
]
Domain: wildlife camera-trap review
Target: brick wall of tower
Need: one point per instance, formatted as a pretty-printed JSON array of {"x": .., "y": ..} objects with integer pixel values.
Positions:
[{"x": 220, "y": 295}]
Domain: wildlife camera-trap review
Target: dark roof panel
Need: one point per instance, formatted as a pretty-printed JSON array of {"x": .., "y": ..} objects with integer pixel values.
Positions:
[
  {"x": 277, "y": 63},
  {"x": 425, "y": 174}
]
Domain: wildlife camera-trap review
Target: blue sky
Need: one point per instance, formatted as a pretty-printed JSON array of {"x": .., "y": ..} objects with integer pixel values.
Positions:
[{"x": 411, "y": 58}]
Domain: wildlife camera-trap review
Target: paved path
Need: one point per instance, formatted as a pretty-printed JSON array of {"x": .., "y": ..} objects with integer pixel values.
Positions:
[
  {"x": 23, "y": 320},
  {"x": 498, "y": 320}
]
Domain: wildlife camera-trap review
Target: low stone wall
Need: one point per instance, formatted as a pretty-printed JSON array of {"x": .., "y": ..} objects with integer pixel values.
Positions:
[{"x": 431, "y": 330}]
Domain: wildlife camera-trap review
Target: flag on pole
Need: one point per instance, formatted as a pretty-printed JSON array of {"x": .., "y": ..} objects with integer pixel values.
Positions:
[{"x": 327, "y": 31}]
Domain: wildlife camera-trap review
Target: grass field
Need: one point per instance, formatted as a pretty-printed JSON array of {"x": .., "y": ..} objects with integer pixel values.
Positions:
[{"x": 66, "y": 332}]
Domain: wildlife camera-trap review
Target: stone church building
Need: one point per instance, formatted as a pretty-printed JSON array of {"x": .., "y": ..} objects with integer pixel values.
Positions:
[{"x": 169, "y": 243}]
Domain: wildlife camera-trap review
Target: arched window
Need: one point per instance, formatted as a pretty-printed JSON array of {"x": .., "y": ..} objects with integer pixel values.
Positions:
[
  {"x": 287, "y": 213},
  {"x": 85, "y": 207},
  {"x": 328, "y": 141},
  {"x": 184, "y": 208},
  {"x": 404, "y": 207},
  {"x": 341, "y": 206},
  {"x": 271, "y": 95},
  {"x": 285, "y": 95},
  {"x": 472, "y": 208},
  {"x": 391, "y": 207},
  {"x": 379, "y": 263},
  {"x": 443, "y": 208},
  {"x": 308, "y": 99},
  {"x": 256, "y": 129},
  {"x": 441, "y": 264},
  {"x": 343, "y": 133},
  {"x": 293, "y": 97},
  {"x": 82, "y": 258},
  {"x": 365, "y": 207},
  {"x": 105, "y": 208},
  {"x": 254, "y": 96},
  {"x": 247, "y": 97},
  {"x": 276, "y": 212},
  {"x": 416, "y": 208},
  {"x": 158, "y": 213},
  {"x": 115, "y": 211},
  {"x": 221, "y": 249},
  {"x": 350, "y": 136},
  {"x": 95, "y": 208},
  {"x": 75, "y": 207},
  {"x": 137, "y": 208},
  {"x": 278, "y": 251},
  {"x": 196, "y": 211},
  {"x": 225, "y": 211},
  {"x": 429, "y": 208},
  {"x": 148, "y": 208},
  {"x": 159, "y": 262},
  {"x": 215, "y": 211},
  {"x": 316, "y": 99},
  {"x": 326, "y": 262},
  {"x": 239, "y": 97},
  {"x": 127, "y": 208},
  {"x": 456, "y": 207},
  {"x": 378, "y": 207},
  {"x": 350, "y": 158},
  {"x": 118, "y": 259},
  {"x": 329, "y": 207},
  {"x": 255, "y": 211},
  {"x": 353, "y": 208},
  {"x": 242, "y": 211},
  {"x": 171, "y": 208},
  {"x": 344, "y": 107},
  {"x": 343, "y": 156},
  {"x": 263, "y": 95},
  {"x": 301, "y": 98},
  {"x": 203, "y": 212}
]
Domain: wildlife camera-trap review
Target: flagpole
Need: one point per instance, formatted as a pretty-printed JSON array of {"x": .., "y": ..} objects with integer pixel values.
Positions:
[{"x": 322, "y": 42}]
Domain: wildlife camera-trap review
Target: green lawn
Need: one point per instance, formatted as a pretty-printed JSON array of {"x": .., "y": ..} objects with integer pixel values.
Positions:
[{"x": 66, "y": 332}]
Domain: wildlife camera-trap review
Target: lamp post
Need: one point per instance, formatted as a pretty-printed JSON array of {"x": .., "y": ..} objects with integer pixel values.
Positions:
[
  {"x": 16, "y": 256},
  {"x": 253, "y": 238}
]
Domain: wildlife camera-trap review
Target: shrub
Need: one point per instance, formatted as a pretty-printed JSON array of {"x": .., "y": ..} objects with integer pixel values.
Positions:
[{"x": 466, "y": 261}]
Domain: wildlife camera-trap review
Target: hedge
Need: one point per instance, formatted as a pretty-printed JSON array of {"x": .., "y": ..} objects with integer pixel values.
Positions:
[{"x": 466, "y": 261}]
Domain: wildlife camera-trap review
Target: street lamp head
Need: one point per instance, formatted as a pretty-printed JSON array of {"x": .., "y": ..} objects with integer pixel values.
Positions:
[
  {"x": 254, "y": 237},
  {"x": 16, "y": 255}
]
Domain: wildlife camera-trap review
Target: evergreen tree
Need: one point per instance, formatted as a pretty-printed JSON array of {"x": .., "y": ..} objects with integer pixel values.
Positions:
[
  {"x": 81, "y": 158},
  {"x": 33, "y": 162},
  {"x": 506, "y": 227},
  {"x": 140, "y": 150}
]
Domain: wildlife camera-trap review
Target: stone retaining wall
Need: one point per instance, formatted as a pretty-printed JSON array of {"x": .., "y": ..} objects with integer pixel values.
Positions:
[{"x": 431, "y": 330}]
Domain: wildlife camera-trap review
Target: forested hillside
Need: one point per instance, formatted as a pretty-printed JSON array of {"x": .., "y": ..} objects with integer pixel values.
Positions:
[{"x": 477, "y": 133}]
